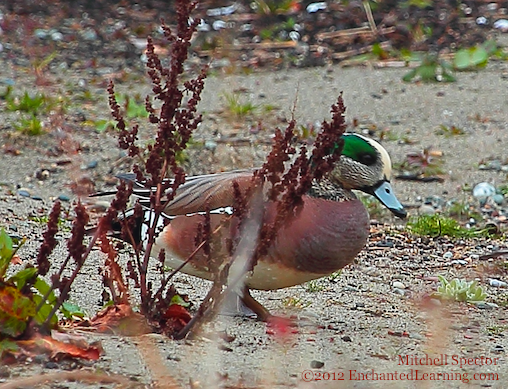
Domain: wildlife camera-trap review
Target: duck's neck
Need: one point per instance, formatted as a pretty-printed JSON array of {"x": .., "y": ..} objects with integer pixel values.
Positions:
[{"x": 328, "y": 190}]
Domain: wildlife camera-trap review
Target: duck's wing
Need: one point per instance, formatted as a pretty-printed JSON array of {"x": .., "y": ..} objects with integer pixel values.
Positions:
[{"x": 214, "y": 191}]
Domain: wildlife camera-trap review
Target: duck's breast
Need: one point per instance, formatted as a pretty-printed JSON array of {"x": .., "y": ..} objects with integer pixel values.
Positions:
[{"x": 326, "y": 236}]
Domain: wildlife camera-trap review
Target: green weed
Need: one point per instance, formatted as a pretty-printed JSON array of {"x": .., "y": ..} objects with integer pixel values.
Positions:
[
  {"x": 449, "y": 131},
  {"x": 334, "y": 276},
  {"x": 496, "y": 330},
  {"x": 295, "y": 302},
  {"x": 27, "y": 103},
  {"x": 431, "y": 69},
  {"x": 238, "y": 108},
  {"x": 314, "y": 286},
  {"x": 476, "y": 57},
  {"x": 24, "y": 296},
  {"x": 30, "y": 126},
  {"x": 438, "y": 225}
]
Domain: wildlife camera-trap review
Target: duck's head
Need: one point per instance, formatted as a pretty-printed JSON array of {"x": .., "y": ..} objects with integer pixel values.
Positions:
[{"x": 365, "y": 165}]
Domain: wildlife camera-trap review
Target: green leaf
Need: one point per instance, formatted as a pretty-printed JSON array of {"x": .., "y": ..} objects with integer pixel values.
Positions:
[
  {"x": 447, "y": 77},
  {"x": 15, "y": 310},
  {"x": 408, "y": 77},
  {"x": 6, "y": 252},
  {"x": 102, "y": 125},
  {"x": 7, "y": 345},
  {"x": 479, "y": 56},
  {"x": 70, "y": 310},
  {"x": 43, "y": 288},
  {"x": 22, "y": 276},
  {"x": 178, "y": 300},
  {"x": 44, "y": 311},
  {"x": 461, "y": 59},
  {"x": 428, "y": 72}
]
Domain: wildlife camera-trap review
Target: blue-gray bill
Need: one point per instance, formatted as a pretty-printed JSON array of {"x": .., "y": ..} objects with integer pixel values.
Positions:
[{"x": 384, "y": 193}]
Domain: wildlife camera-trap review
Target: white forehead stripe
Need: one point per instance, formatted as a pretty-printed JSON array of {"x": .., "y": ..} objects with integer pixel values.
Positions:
[{"x": 385, "y": 157}]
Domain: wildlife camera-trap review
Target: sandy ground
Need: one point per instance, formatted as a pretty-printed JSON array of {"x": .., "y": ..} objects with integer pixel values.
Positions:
[{"x": 356, "y": 323}]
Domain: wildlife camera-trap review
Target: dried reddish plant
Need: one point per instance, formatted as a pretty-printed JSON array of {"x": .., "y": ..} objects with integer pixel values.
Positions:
[
  {"x": 172, "y": 108},
  {"x": 49, "y": 241}
]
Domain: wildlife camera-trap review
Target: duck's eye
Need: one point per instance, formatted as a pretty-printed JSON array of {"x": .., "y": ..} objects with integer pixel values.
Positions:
[{"x": 367, "y": 159}]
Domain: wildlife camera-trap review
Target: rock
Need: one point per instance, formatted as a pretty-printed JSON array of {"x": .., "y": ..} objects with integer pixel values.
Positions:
[
  {"x": 498, "y": 349},
  {"x": 497, "y": 283},
  {"x": 4, "y": 372},
  {"x": 316, "y": 364},
  {"x": 486, "y": 306},
  {"x": 426, "y": 209},
  {"x": 51, "y": 365},
  {"x": 24, "y": 192},
  {"x": 398, "y": 291},
  {"x": 371, "y": 271},
  {"x": 483, "y": 190},
  {"x": 498, "y": 199},
  {"x": 210, "y": 145},
  {"x": 398, "y": 285},
  {"x": 63, "y": 197},
  {"x": 448, "y": 255}
]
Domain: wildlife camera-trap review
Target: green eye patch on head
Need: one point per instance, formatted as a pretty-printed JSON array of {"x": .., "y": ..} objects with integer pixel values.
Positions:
[{"x": 359, "y": 149}]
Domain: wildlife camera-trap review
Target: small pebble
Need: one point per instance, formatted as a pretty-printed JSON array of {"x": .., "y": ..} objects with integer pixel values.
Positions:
[
  {"x": 498, "y": 349},
  {"x": 4, "y": 372},
  {"x": 90, "y": 165},
  {"x": 40, "y": 358},
  {"x": 371, "y": 271},
  {"x": 498, "y": 199},
  {"x": 24, "y": 192},
  {"x": 63, "y": 197},
  {"x": 448, "y": 255},
  {"x": 398, "y": 291},
  {"x": 398, "y": 285},
  {"x": 51, "y": 365},
  {"x": 210, "y": 145},
  {"x": 497, "y": 283},
  {"x": 346, "y": 338},
  {"x": 426, "y": 209},
  {"x": 486, "y": 306},
  {"x": 316, "y": 364},
  {"x": 483, "y": 190}
]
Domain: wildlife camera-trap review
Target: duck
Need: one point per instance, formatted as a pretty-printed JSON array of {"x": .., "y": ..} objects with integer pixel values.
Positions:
[{"x": 330, "y": 229}]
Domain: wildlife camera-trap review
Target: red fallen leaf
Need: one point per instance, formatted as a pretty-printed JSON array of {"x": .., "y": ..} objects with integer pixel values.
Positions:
[
  {"x": 60, "y": 350},
  {"x": 176, "y": 317},
  {"x": 16, "y": 260},
  {"x": 120, "y": 319}
]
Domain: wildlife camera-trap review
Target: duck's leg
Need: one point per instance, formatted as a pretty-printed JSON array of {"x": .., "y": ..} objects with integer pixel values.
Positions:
[
  {"x": 233, "y": 305},
  {"x": 249, "y": 301}
]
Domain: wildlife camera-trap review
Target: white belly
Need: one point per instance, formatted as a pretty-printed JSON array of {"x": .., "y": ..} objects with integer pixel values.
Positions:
[{"x": 265, "y": 276}]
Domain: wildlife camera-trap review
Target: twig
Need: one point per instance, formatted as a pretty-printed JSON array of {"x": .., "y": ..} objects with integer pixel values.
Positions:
[
  {"x": 83, "y": 376},
  {"x": 370, "y": 18},
  {"x": 151, "y": 355}
]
